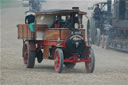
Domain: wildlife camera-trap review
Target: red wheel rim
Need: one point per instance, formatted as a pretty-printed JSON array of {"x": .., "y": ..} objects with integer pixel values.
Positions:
[
  {"x": 88, "y": 64},
  {"x": 57, "y": 61},
  {"x": 26, "y": 55}
]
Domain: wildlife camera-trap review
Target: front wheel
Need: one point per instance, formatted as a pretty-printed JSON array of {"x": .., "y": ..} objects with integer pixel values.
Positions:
[
  {"x": 58, "y": 60},
  {"x": 90, "y": 65}
]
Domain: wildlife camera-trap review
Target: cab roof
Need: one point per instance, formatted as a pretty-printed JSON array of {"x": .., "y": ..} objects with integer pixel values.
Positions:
[{"x": 60, "y": 12}]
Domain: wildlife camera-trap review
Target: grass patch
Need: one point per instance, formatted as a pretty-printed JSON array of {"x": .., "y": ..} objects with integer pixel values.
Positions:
[{"x": 8, "y": 3}]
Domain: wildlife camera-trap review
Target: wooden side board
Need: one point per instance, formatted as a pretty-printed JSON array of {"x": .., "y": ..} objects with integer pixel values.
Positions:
[
  {"x": 55, "y": 34},
  {"x": 49, "y": 34},
  {"x": 41, "y": 27},
  {"x": 24, "y": 32},
  {"x": 65, "y": 34},
  {"x": 52, "y": 34}
]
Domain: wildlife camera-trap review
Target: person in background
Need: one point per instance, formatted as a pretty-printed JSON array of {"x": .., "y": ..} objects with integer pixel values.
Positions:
[
  {"x": 97, "y": 13},
  {"x": 34, "y": 5},
  {"x": 97, "y": 16}
]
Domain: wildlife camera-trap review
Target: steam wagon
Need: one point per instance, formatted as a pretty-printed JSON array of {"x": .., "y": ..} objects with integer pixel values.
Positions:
[
  {"x": 57, "y": 35},
  {"x": 118, "y": 34}
]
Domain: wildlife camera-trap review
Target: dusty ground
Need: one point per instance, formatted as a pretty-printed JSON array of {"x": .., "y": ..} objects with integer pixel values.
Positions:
[{"x": 111, "y": 66}]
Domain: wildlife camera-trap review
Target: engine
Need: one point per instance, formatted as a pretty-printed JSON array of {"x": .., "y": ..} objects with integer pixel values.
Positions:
[{"x": 75, "y": 43}]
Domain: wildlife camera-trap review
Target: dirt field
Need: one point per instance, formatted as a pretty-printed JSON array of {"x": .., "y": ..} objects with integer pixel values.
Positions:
[{"x": 111, "y": 66}]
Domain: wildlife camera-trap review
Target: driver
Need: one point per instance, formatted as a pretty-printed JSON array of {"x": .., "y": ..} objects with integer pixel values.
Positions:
[{"x": 69, "y": 22}]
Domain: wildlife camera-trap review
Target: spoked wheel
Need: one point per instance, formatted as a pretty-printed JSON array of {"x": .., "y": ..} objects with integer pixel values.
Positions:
[
  {"x": 90, "y": 65},
  {"x": 29, "y": 55},
  {"x": 69, "y": 65},
  {"x": 58, "y": 60}
]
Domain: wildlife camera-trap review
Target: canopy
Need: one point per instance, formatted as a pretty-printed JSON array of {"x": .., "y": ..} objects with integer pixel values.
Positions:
[{"x": 60, "y": 11}]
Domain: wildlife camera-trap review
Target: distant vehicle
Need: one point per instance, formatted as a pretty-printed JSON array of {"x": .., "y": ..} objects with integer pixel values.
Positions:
[
  {"x": 118, "y": 34},
  {"x": 114, "y": 25},
  {"x": 97, "y": 28},
  {"x": 58, "y": 35}
]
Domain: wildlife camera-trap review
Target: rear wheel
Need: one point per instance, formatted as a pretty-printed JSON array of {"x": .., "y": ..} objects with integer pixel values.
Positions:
[
  {"x": 58, "y": 60},
  {"x": 69, "y": 65},
  {"x": 90, "y": 65},
  {"x": 29, "y": 55}
]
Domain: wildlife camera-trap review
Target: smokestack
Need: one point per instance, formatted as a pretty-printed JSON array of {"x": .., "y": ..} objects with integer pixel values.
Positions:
[{"x": 75, "y": 8}]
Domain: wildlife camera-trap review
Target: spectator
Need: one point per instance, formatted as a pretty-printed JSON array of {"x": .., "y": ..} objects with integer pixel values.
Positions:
[
  {"x": 97, "y": 13},
  {"x": 35, "y": 5}
]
